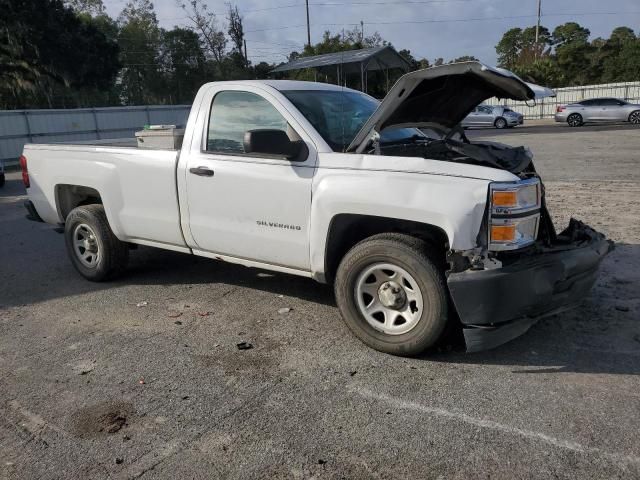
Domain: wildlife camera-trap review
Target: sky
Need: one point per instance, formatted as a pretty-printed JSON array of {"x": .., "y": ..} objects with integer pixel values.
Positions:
[{"x": 428, "y": 28}]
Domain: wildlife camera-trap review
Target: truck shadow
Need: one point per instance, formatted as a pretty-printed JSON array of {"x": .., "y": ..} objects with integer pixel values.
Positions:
[{"x": 601, "y": 336}]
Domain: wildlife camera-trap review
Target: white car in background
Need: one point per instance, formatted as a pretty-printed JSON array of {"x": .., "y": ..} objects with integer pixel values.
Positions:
[
  {"x": 496, "y": 116},
  {"x": 598, "y": 110}
]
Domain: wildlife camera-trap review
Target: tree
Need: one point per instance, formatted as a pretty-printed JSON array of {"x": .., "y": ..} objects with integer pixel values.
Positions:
[
  {"x": 205, "y": 24},
  {"x": 569, "y": 33},
  {"x": 236, "y": 30},
  {"x": 183, "y": 64},
  {"x": 614, "y": 55},
  {"x": 139, "y": 39},
  {"x": 573, "y": 53},
  {"x": 89, "y": 7},
  {"x": 508, "y": 49},
  {"x": 464, "y": 58},
  {"x": 518, "y": 47},
  {"x": 33, "y": 67}
]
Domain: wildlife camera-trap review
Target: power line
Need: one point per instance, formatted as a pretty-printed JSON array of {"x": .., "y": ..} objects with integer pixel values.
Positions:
[{"x": 451, "y": 20}]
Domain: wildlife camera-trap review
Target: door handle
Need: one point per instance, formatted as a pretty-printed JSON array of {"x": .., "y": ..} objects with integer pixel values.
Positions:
[{"x": 201, "y": 171}]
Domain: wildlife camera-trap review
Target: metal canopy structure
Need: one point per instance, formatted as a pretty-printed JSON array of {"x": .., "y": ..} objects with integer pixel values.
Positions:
[{"x": 349, "y": 62}]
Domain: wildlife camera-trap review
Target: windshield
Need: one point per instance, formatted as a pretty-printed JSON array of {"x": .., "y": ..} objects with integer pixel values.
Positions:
[{"x": 339, "y": 116}]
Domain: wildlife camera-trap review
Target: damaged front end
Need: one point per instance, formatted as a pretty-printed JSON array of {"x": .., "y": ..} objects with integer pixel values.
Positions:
[{"x": 499, "y": 299}]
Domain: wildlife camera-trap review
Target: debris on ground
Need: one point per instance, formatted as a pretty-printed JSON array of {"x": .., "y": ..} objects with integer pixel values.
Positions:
[
  {"x": 284, "y": 310},
  {"x": 175, "y": 315},
  {"x": 178, "y": 322},
  {"x": 204, "y": 314},
  {"x": 244, "y": 346},
  {"x": 321, "y": 461},
  {"x": 84, "y": 366},
  {"x": 353, "y": 372},
  {"x": 142, "y": 304},
  {"x": 622, "y": 308},
  {"x": 141, "y": 381},
  {"x": 119, "y": 461}
]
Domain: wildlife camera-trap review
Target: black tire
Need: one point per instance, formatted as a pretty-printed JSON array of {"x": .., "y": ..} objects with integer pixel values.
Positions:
[
  {"x": 2, "y": 179},
  {"x": 634, "y": 117},
  {"x": 410, "y": 254},
  {"x": 575, "y": 120},
  {"x": 500, "y": 123},
  {"x": 112, "y": 254}
]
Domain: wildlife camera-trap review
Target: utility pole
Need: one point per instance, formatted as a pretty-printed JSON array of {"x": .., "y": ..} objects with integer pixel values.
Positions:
[
  {"x": 538, "y": 28},
  {"x": 246, "y": 59},
  {"x": 308, "y": 27},
  {"x": 362, "y": 27}
]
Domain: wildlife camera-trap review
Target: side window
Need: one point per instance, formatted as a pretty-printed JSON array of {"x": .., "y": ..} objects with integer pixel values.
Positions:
[
  {"x": 610, "y": 102},
  {"x": 233, "y": 113},
  {"x": 590, "y": 103},
  {"x": 487, "y": 110}
]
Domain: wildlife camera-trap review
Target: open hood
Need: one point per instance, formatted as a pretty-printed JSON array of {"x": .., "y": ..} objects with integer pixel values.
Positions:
[{"x": 441, "y": 96}]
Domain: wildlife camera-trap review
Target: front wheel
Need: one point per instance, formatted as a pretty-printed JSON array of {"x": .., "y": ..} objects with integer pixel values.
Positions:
[
  {"x": 634, "y": 117},
  {"x": 391, "y": 294},
  {"x": 575, "y": 120},
  {"x": 94, "y": 250}
]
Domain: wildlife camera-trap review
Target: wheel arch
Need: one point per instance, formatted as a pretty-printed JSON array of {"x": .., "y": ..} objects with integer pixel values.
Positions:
[
  {"x": 346, "y": 230},
  {"x": 69, "y": 197}
]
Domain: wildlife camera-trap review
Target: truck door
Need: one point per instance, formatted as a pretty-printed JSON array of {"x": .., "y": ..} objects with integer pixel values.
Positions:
[{"x": 250, "y": 207}]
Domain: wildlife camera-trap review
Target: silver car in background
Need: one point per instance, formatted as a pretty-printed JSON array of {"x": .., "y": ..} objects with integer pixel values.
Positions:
[
  {"x": 492, "y": 116},
  {"x": 598, "y": 110}
]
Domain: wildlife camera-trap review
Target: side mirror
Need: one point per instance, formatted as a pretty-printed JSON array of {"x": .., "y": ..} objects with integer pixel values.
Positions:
[{"x": 272, "y": 142}]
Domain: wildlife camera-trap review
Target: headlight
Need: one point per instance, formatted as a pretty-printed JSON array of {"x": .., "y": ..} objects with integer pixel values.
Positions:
[{"x": 514, "y": 214}]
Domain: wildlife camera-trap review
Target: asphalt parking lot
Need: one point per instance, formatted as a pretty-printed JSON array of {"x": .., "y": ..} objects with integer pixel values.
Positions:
[{"x": 141, "y": 377}]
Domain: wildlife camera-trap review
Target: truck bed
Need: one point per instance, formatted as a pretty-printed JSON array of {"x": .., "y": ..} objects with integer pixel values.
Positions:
[{"x": 137, "y": 186}]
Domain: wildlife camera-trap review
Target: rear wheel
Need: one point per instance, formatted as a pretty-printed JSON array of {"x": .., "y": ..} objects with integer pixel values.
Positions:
[
  {"x": 575, "y": 120},
  {"x": 500, "y": 123},
  {"x": 391, "y": 294},
  {"x": 94, "y": 250},
  {"x": 634, "y": 117}
]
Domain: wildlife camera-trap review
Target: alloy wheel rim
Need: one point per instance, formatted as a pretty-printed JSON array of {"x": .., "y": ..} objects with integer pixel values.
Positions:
[
  {"x": 635, "y": 118},
  {"x": 574, "y": 120},
  {"x": 501, "y": 124},
  {"x": 389, "y": 298},
  {"x": 85, "y": 245}
]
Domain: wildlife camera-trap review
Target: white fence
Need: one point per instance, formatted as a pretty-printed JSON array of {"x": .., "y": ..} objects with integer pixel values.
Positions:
[
  {"x": 18, "y": 127},
  {"x": 546, "y": 108}
]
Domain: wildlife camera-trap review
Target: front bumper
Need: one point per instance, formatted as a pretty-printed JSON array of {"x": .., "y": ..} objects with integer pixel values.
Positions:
[
  {"x": 498, "y": 305},
  {"x": 513, "y": 121}
]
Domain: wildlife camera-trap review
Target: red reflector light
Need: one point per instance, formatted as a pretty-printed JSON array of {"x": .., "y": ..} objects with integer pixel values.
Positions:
[
  {"x": 25, "y": 172},
  {"x": 560, "y": 108}
]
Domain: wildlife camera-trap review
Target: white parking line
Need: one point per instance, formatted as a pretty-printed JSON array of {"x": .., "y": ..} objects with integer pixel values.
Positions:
[{"x": 490, "y": 424}]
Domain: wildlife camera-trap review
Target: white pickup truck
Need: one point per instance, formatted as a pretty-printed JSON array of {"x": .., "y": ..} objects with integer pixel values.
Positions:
[{"x": 413, "y": 224}]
